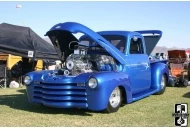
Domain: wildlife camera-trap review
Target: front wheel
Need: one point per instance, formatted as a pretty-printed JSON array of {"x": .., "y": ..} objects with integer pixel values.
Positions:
[
  {"x": 114, "y": 101},
  {"x": 163, "y": 85},
  {"x": 172, "y": 83}
]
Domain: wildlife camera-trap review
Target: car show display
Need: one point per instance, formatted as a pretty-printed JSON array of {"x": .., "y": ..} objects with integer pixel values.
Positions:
[
  {"x": 100, "y": 70},
  {"x": 178, "y": 65}
]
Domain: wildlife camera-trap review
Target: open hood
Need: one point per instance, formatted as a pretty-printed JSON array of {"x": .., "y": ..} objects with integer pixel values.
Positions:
[
  {"x": 176, "y": 53},
  {"x": 62, "y": 34},
  {"x": 151, "y": 38}
]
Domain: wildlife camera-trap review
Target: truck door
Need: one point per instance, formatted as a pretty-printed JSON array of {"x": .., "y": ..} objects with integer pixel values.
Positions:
[{"x": 140, "y": 74}]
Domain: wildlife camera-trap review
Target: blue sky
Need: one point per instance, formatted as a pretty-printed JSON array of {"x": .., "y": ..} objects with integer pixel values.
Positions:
[{"x": 172, "y": 18}]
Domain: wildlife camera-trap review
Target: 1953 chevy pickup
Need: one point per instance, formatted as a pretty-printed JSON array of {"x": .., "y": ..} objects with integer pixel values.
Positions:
[{"x": 100, "y": 70}]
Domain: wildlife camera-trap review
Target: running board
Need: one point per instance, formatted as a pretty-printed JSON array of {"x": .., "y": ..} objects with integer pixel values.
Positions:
[{"x": 144, "y": 94}]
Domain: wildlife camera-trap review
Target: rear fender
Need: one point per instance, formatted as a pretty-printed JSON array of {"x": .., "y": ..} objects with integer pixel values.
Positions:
[{"x": 157, "y": 70}]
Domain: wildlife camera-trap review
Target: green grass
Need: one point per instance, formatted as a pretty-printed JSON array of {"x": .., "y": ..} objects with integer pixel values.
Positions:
[{"x": 155, "y": 110}]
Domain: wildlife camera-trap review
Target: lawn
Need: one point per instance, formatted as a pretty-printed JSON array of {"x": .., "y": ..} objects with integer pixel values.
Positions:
[{"x": 151, "y": 111}]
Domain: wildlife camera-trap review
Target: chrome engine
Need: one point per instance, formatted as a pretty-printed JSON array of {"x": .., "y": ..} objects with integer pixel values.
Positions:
[
  {"x": 79, "y": 63},
  {"x": 76, "y": 64}
]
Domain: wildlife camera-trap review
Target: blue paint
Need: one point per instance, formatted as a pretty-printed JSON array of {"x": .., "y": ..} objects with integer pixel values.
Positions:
[{"x": 137, "y": 76}]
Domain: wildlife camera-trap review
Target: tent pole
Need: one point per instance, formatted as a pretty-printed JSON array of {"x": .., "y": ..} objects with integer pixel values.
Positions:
[
  {"x": 5, "y": 83},
  {"x": 33, "y": 59}
]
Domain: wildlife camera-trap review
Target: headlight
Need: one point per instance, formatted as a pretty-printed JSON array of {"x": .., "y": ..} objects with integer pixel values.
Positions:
[
  {"x": 92, "y": 83},
  {"x": 27, "y": 80}
]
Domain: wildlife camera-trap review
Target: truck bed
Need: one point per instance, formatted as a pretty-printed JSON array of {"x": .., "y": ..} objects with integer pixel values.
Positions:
[{"x": 156, "y": 61}]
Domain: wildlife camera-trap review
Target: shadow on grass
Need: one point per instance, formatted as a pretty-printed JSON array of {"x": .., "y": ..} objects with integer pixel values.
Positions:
[
  {"x": 180, "y": 86},
  {"x": 20, "y": 102},
  {"x": 22, "y": 91},
  {"x": 187, "y": 95}
]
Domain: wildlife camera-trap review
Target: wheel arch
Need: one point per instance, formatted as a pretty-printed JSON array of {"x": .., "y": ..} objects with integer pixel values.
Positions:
[
  {"x": 167, "y": 77},
  {"x": 157, "y": 71},
  {"x": 123, "y": 93},
  {"x": 126, "y": 94}
]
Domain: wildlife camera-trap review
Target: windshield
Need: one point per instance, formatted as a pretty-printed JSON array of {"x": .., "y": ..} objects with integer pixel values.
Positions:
[{"x": 117, "y": 40}]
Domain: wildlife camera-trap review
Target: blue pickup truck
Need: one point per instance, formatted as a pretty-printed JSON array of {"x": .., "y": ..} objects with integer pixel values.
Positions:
[{"x": 100, "y": 70}]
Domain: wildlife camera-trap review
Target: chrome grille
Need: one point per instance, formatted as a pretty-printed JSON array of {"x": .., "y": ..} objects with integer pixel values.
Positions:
[{"x": 60, "y": 95}]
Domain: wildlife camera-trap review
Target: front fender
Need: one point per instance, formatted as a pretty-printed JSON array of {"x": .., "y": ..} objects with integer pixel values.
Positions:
[
  {"x": 35, "y": 76},
  {"x": 157, "y": 70},
  {"x": 107, "y": 81}
]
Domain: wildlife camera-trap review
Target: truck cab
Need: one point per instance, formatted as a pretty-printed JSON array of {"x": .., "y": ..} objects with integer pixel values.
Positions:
[{"x": 100, "y": 70}]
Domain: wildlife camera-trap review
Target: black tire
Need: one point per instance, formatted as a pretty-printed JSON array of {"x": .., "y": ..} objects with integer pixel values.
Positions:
[
  {"x": 163, "y": 85},
  {"x": 185, "y": 82},
  {"x": 188, "y": 75},
  {"x": 172, "y": 83},
  {"x": 111, "y": 107}
]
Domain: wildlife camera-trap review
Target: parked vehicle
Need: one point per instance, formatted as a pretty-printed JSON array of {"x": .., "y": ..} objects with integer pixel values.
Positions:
[
  {"x": 178, "y": 66},
  {"x": 100, "y": 71}
]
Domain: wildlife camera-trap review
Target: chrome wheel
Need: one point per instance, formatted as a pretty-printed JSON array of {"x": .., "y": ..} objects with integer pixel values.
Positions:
[{"x": 115, "y": 97}]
